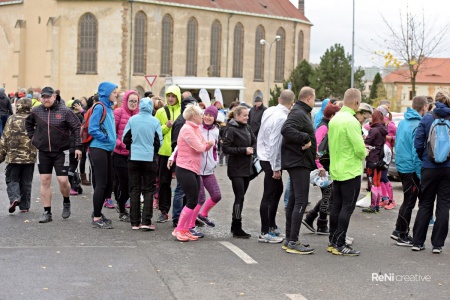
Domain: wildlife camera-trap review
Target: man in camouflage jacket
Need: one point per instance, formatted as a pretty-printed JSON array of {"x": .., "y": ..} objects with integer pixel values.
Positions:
[{"x": 20, "y": 155}]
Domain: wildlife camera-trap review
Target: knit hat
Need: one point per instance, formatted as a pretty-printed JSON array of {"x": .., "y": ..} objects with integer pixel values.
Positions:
[
  {"x": 76, "y": 101},
  {"x": 258, "y": 99},
  {"x": 212, "y": 110}
]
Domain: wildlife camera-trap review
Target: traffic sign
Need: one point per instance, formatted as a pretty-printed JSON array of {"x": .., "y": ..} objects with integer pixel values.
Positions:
[{"x": 151, "y": 79}]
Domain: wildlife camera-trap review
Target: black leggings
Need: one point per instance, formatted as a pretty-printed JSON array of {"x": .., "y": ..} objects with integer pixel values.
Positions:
[
  {"x": 240, "y": 186},
  {"x": 120, "y": 166},
  {"x": 190, "y": 183},
  {"x": 102, "y": 164},
  {"x": 73, "y": 164},
  {"x": 83, "y": 160}
]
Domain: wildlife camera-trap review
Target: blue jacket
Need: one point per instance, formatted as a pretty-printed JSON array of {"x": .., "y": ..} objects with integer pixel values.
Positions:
[
  {"x": 406, "y": 159},
  {"x": 420, "y": 142},
  {"x": 104, "y": 135},
  {"x": 319, "y": 115},
  {"x": 143, "y": 133}
]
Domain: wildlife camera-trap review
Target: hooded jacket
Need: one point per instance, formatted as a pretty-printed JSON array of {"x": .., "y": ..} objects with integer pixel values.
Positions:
[
  {"x": 210, "y": 157},
  {"x": 50, "y": 128},
  {"x": 143, "y": 135},
  {"x": 121, "y": 117},
  {"x": 15, "y": 142},
  {"x": 5, "y": 104},
  {"x": 319, "y": 115},
  {"x": 420, "y": 141},
  {"x": 237, "y": 138},
  {"x": 254, "y": 118},
  {"x": 376, "y": 138},
  {"x": 103, "y": 135},
  {"x": 406, "y": 159},
  {"x": 161, "y": 115}
]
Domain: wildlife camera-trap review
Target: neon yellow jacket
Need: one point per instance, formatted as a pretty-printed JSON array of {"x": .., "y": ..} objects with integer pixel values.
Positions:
[
  {"x": 346, "y": 145},
  {"x": 161, "y": 115}
]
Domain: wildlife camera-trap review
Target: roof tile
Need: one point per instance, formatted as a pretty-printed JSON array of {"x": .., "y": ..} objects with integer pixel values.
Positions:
[{"x": 432, "y": 70}]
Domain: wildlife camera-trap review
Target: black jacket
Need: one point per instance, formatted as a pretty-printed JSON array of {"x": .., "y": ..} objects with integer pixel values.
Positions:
[
  {"x": 376, "y": 138},
  {"x": 5, "y": 105},
  {"x": 254, "y": 118},
  {"x": 235, "y": 142},
  {"x": 176, "y": 127},
  {"x": 297, "y": 131},
  {"x": 50, "y": 128},
  {"x": 72, "y": 137}
]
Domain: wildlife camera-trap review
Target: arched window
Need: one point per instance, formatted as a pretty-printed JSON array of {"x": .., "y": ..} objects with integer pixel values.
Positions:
[
  {"x": 259, "y": 54},
  {"x": 166, "y": 45},
  {"x": 216, "y": 37},
  {"x": 300, "y": 47},
  {"x": 191, "y": 48},
  {"x": 140, "y": 43},
  {"x": 87, "y": 44},
  {"x": 238, "y": 50},
  {"x": 280, "y": 53},
  {"x": 140, "y": 91}
]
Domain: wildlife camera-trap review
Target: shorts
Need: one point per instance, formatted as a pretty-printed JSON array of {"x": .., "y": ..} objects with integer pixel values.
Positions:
[{"x": 48, "y": 160}]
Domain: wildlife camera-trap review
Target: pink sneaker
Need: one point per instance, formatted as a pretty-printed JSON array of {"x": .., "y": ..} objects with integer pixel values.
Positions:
[
  {"x": 109, "y": 203},
  {"x": 180, "y": 235},
  {"x": 155, "y": 203},
  {"x": 127, "y": 204},
  {"x": 73, "y": 192},
  {"x": 390, "y": 206}
]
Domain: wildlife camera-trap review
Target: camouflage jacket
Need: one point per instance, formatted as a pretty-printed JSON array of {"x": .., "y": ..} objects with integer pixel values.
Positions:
[{"x": 15, "y": 143}]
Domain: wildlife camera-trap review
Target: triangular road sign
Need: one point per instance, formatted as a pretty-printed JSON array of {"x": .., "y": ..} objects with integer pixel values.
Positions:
[{"x": 150, "y": 79}]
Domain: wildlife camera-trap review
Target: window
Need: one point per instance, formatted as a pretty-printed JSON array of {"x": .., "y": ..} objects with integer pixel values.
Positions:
[
  {"x": 279, "y": 58},
  {"x": 191, "y": 48},
  {"x": 87, "y": 44},
  {"x": 300, "y": 47},
  {"x": 216, "y": 37},
  {"x": 140, "y": 43},
  {"x": 238, "y": 51},
  {"x": 259, "y": 54},
  {"x": 166, "y": 45},
  {"x": 140, "y": 91}
]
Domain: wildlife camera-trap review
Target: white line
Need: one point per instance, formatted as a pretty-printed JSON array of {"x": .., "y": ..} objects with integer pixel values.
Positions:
[
  {"x": 241, "y": 254},
  {"x": 296, "y": 297}
]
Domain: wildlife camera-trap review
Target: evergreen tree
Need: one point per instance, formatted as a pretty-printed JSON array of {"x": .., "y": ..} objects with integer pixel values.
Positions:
[{"x": 374, "y": 88}]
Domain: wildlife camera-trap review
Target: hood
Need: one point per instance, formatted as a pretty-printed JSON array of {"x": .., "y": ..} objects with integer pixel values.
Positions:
[
  {"x": 104, "y": 90},
  {"x": 3, "y": 94},
  {"x": 324, "y": 104},
  {"x": 125, "y": 102},
  {"x": 23, "y": 106},
  {"x": 442, "y": 110},
  {"x": 187, "y": 101},
  {"x": 146, "y": 106},
  {"x": 174, "y": 90},
  {"x": 381, "y": 127},
  {"x": 412, "y": 114},
  {"x": 235, "y": 123}
]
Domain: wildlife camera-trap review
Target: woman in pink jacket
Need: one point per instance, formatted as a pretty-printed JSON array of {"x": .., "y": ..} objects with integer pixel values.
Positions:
[
  {"x": 191, "y": 145},
  {"x": 129, "y": 108}
]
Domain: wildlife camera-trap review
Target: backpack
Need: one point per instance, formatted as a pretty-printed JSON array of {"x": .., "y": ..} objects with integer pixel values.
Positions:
[
  {"x": 86, "y": 138},
  {"x": 324, "y": 152},
  {"x": 438, "y": 142},
  {"x": 385, "y": 158}
]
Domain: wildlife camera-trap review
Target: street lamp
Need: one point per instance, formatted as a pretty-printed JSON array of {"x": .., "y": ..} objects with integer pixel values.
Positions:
[
  {"x": 353, "y": 49},
  {"x": 262, "y": 42}
]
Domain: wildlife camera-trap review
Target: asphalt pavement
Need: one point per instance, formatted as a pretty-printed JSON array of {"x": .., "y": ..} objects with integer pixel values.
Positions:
[{"x": 68, "y": 259}]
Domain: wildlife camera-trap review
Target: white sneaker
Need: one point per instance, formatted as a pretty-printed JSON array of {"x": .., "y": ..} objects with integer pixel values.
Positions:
[{"x": 269, "y": 238}]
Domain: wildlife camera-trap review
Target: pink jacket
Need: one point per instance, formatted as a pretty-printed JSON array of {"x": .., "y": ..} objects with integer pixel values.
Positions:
[
  {"x": 320, "y": 134},
  {"x": 191, "y": 145},
  {"x": 121, "y": 116}
]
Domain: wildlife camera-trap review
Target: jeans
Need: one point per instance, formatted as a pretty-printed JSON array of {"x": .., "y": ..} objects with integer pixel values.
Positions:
[
  {"x": 19, "y": 179},
  {"x": 177, "y": 204},
  {"x": 3, "y": 119},
  {"x": 435, "y": 186},
  {"x": 142, "y": 179},
  {"x": 273, "y": 188},
  {"x": 411, "y": 190},
  {"x": 287, "y": 192},
  {"x": 345, "y": 195}
]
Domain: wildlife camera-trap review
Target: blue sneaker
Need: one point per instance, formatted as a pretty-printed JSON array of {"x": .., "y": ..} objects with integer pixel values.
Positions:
[
  {"x": 269, "y": 237},
  {"x": 196, "y": 233},
  {"x": 206, "y": 221},
  {"x": 277, "y": 232}
]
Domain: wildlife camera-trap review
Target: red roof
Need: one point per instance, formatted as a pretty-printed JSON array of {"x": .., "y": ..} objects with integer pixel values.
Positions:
[
  {"x": 281, "y": 8},
  {"x": 432, "y": 70}
]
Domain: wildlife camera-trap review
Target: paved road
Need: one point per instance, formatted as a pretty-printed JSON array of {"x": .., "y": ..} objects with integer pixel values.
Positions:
[{"x": 67, "y": 259}]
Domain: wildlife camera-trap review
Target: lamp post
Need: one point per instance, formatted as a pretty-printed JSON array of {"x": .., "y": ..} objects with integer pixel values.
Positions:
[
  {"x": 353, "y": 49},
  {"x": 264, "y": 42}
]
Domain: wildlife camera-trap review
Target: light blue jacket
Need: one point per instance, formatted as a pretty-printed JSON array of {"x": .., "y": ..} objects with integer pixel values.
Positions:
[
  {"x": 103, "y": 135},
  {"x": 319, "y": 115},
  {"x": 144, "y": 129},
  {"x": 406, "y": 158}
]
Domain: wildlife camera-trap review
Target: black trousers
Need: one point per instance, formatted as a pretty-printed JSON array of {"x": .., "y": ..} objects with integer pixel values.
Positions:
[
  {"x": 142, "y": 179},
  {"x": 165, "y": 179},
  {"x": 411, "y": 190},
  {"x": 240, "y": 186},
  {"x": 190, "y": 183},
  {"x": 19, "y": 179},
  {"x": 102, "y": 164},
  {"x": 73, "y": 165},
  {"x": 345, "y": 195},
  {"x": 273, "y": 189},
  {"x": 298, "y": 200},
  {"x": 435, "y": 185},
  {"x": 120, "y": 166}
]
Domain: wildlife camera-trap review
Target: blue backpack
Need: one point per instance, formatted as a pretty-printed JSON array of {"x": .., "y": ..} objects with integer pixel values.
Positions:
[{"x": 438, "y": 143}]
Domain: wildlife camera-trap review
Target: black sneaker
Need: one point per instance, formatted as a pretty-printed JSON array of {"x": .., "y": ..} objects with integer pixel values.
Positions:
[
  {"x": 124, "y": 217},
  {"x": 46, "y": 217},
  {"x": 437, "y": 250},
  {"x": 308, "y": 225},
  {"x": 174, "y": 222},
  {"x": 345, "y": 250},
  {"x": 405, "y": 240},
  {"x": 369, "y": 210},
  {"x": 12, "y": 207},
  {"x": 101, "y": 223},
  {"x": 163, "y": 217},
  {"x": 323, "y": 231},
  {"x": 103, "y": 218},
  {"x": 66, "y": 210},
  {"x": 298, "y": 248},
  {"x": 418, "y": 247},
  {"x": 395, "y": 235},
  {"x": 205, "y": 220}
]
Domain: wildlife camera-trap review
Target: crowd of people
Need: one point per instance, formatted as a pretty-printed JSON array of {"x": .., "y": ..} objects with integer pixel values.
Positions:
[{"x": 137, "y": 146}]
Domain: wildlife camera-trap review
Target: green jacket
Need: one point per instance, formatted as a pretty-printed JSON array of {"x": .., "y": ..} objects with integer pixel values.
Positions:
[
  {"x": 161, "y": 115},
  {"x": 346, "y": 145}
]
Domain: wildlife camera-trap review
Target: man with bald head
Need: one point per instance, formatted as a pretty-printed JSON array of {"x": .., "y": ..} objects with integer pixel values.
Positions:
[
  {"x": 269, "y": 154},
  {"x": 347, "y": 152},
  {"x": 298, "y": 154}
]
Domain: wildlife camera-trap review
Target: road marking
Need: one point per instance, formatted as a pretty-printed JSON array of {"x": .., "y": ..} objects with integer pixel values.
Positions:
[
  {"x": 241, "y": 254},
  {"x": 296, "y": 297}
]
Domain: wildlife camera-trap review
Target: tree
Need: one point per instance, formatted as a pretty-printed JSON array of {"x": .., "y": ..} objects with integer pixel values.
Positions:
[
  {"x": 275, "y": 94},
  {"x": 374, "y": 87},
  {"x": 333, "y": 76},
  {"x": 413, "y": 42}
]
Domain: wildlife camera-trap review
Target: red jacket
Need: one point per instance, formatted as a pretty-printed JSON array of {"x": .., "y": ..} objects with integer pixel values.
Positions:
[{"x": 121, "y": 116}]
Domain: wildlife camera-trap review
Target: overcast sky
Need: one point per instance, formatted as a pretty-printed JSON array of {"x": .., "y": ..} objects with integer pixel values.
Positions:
[{"x": 332, "y": 20}]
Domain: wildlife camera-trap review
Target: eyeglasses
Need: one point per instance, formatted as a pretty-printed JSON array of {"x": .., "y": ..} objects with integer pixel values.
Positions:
[{"x": 133, "y": 101}]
